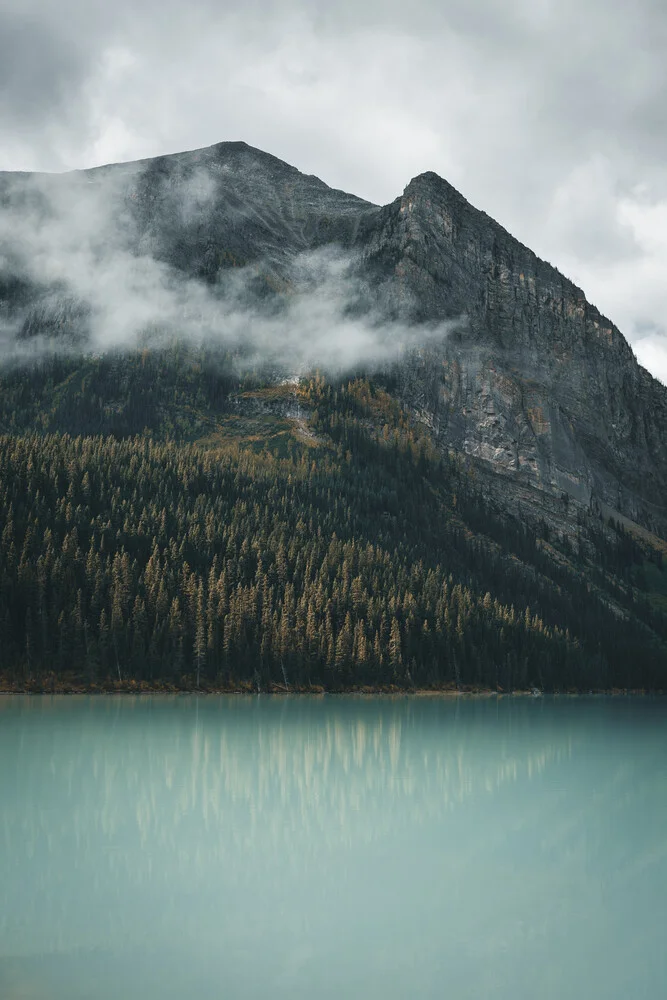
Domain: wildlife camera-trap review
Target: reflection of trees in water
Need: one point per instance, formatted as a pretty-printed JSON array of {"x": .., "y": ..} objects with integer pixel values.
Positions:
[
  {"x": 114, "y": 793},
  {"x": 244, "y": 775}
]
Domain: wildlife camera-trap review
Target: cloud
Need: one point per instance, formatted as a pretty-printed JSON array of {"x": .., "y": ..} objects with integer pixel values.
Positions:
[
  {"x": 586, "y": 213},
  {"x": 37, "y": 77},
  {"x": 101, "y": 283},
  {"x": 650, "y": 347}
]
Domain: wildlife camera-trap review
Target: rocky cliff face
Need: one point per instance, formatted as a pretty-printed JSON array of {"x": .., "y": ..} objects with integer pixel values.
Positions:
[
  {"x": 537, "y": 385},
  {"x": 538, "y": 390}
]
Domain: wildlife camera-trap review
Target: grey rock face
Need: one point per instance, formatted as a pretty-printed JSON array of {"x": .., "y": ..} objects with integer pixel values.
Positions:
[
  {"x": 230, "y": 205},
  {"x": 539, "y": 390},
  {"x": 537, "y": 385},
  {"x": 197, "y": 214}
]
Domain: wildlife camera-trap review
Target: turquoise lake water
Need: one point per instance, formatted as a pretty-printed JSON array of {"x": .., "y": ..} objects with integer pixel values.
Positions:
[{"x": 307, "y": 847}]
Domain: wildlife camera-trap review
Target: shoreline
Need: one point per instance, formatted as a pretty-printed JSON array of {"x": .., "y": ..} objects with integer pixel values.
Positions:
[{"x": 65, "y": 687}]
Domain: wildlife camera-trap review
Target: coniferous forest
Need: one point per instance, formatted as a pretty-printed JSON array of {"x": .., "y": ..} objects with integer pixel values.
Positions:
[{"x": 167, "y": 523}]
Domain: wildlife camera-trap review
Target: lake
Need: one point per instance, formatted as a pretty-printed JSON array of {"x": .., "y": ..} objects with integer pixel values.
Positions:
[{"x": 335, "y": 846}]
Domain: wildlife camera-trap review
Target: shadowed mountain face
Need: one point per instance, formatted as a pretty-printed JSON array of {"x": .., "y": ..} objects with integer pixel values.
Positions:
[
  {"x": 225, "y": 206},
  {"x": 539, "y": 391},
  {"x": 231, "y": 205},
  {"x": 540, "y": 386}
]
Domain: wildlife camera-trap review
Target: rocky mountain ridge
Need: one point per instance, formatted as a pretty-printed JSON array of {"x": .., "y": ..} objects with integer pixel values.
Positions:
[
  {"x": 539, "y": 385},
  {"x": 537, "y": 390}
]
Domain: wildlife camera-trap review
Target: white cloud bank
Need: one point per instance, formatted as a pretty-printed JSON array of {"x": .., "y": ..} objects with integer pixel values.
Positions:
[{"x": 76, "y": 235}]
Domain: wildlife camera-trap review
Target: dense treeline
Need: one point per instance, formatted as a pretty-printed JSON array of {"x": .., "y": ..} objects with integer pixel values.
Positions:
[
  {"x": 357, "y": 558},
  {"x": 175, "y": 392}
]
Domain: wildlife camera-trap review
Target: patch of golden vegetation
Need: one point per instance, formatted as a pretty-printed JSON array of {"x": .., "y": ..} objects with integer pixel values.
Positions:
[
  {"x": 538, "y": 421},
  {"x": 247, "y": 431},
  {"x": 643, "y": 534}
]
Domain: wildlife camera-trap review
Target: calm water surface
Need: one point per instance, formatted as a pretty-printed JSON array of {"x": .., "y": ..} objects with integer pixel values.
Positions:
[{"x": 328, "y": 847}]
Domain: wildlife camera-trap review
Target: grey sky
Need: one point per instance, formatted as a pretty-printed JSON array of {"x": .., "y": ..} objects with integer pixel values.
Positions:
[{"x": 550, "y": 116}]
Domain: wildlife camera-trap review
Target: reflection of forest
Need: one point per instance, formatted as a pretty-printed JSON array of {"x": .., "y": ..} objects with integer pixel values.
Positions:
[
  {"x": 280, "y": 772},
  {"x": 109, "y": 796}
]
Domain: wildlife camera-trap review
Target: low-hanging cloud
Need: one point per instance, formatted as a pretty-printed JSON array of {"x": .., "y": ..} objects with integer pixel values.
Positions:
[{"x": 98, "y": 283}]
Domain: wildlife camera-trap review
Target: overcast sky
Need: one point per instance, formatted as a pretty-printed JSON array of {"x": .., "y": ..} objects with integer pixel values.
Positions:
[{"x": 550, "y": 116}]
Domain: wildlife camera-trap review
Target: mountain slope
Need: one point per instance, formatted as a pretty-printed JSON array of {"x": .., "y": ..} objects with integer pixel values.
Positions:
[
  {"x": 306, "y": 535},
  {"x": 539, "y": 385},
  {"x": 223, "y": 206},
  {"x": 519, "y": 454},
  {"x": 536, "y": 384}
]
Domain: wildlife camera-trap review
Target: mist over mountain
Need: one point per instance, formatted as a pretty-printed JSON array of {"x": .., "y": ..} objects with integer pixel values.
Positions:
[
  {"x": 176, "y": 295},
  {"x": 231, "y": 245}
]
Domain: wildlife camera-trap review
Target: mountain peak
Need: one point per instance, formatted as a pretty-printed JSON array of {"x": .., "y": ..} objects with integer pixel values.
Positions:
[{"x": 429, "y": 180}]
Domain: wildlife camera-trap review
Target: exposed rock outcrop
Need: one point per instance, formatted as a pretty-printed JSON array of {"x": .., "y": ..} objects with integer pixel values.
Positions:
[{"x": 536, "y": 384}]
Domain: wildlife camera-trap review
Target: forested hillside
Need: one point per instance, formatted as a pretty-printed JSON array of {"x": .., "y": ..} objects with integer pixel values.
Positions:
[{"x": 165, "y": 522}]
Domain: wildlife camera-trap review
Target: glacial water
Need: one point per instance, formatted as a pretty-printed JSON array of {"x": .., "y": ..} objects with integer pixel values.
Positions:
[{"x": 334, "y": 847}]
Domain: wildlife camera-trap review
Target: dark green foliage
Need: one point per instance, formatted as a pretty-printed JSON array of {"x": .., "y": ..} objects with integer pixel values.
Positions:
[
  {"x": 354, "y": 557},
  {"x": 174, "y": 392}
]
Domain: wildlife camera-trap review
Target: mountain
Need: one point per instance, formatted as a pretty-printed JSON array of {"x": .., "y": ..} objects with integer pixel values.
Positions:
[
  {"x": 538, "y": 386},
  {"x": 541, "y": 387},
  {"x": 514, "y": 424}
]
